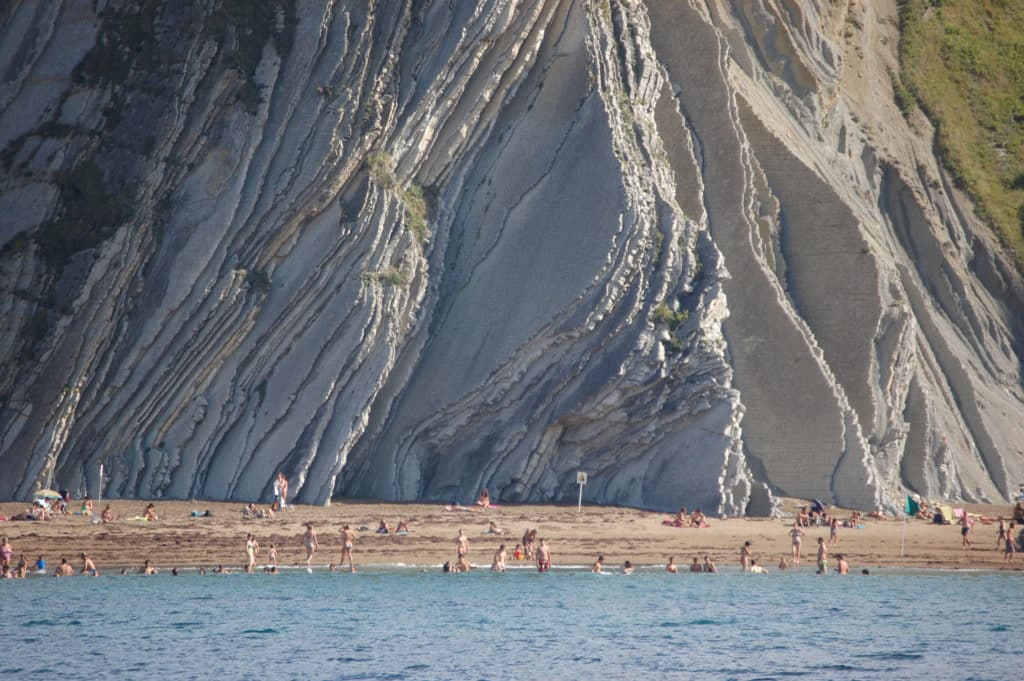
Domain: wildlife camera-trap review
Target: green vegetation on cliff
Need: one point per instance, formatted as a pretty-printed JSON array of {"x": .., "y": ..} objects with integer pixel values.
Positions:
[{"x": 963, "y": 62}]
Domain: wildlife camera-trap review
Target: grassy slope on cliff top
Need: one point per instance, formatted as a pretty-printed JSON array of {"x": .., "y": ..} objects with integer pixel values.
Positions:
[{"x": 963, "y": 60}]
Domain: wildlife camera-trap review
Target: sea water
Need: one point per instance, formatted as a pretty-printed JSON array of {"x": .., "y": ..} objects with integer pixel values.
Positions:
[{"x": 392, "y": 623}]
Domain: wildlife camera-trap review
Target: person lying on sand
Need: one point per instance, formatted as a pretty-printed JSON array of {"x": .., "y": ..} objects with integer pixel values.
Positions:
[
  {"x": 494, "y": 529},
  {"x": 383, "y": 528}
]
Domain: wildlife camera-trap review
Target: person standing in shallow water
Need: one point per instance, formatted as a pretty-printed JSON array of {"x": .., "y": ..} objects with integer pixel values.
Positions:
[
  {"x": 746, "y": 552},
  {"x": 543, "y": 556},
  {"x": 499, "y": 559},
  {"x": 252, "y": 547},
  {"x": 822, "y": 557},
  {"x": 348, "y": 538}
]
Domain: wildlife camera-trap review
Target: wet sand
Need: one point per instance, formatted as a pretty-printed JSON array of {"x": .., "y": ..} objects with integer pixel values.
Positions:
[{"x": 620, "y": 534}]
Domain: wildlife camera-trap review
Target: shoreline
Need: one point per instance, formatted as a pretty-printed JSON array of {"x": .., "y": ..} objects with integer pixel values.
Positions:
[{"x": 618, "y": 533}]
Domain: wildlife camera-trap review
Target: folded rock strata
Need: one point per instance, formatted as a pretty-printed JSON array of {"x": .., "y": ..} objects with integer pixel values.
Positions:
[{"x": 406, "y": 250}]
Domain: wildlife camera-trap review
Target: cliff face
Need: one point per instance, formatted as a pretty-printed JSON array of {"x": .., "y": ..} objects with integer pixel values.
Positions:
[{"x": 406, "y": 250}]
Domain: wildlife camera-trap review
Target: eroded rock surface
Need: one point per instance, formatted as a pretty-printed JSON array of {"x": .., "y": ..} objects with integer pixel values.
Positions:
[{"x": 409, "y": 250}]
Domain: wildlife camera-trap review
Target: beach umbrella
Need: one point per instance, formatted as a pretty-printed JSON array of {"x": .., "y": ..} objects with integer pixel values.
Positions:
[{"x": 46, "y": 494}]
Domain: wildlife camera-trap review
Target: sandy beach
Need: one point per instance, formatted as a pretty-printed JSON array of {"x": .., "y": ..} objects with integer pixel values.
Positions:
[{"x": 179, "y": 540}]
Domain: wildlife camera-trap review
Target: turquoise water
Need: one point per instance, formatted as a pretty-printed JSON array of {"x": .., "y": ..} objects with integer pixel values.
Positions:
[{"x": 403, "y": 624}]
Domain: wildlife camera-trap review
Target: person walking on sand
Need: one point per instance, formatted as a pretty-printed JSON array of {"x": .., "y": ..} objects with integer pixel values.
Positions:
[
  {"x": 1001, "y": 534},
  {"x": 499, "y": 559},
  {"x": 965, "y": 529},
  {"x": 312, "y": 544},
  {"x": 272, "y": 556},
  {"x": 88, "y": 566},
  {"x": 348, "y": 538},
  {"x": 797, "y": 534},
  {"x": 529, "y": 543},
  {"x": 461, "y": 545},
  {"x": 252, "y": 548},
  {"x": 822, "y": 557},
  {"x": 672, "y": 567},
  {"x": 833, "y": 531},
  {"x": 746, "y": 551},
  {"x": 543, "y": 556}
]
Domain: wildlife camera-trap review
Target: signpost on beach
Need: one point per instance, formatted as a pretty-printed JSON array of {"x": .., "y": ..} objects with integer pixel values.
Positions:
[
  {"x": 99, "y": 498},
  {"x": 581, "y": 479}
]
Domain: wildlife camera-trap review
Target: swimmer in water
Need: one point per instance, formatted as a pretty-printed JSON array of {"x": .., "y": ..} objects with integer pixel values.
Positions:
[
  {"x": 627, "y": 568},
  {"x": 148, "y": 568},
  {"x": 695, "y": 566},
  {"x": 88, "y": 566},
  {"x": 672, "y": 567},
  {"x": 756, "y": 569},
  {"x": 598, "y": 564}
]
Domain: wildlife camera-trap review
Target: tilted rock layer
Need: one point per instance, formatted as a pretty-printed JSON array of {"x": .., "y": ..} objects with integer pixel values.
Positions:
[{"x": 406, "y": 250}]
